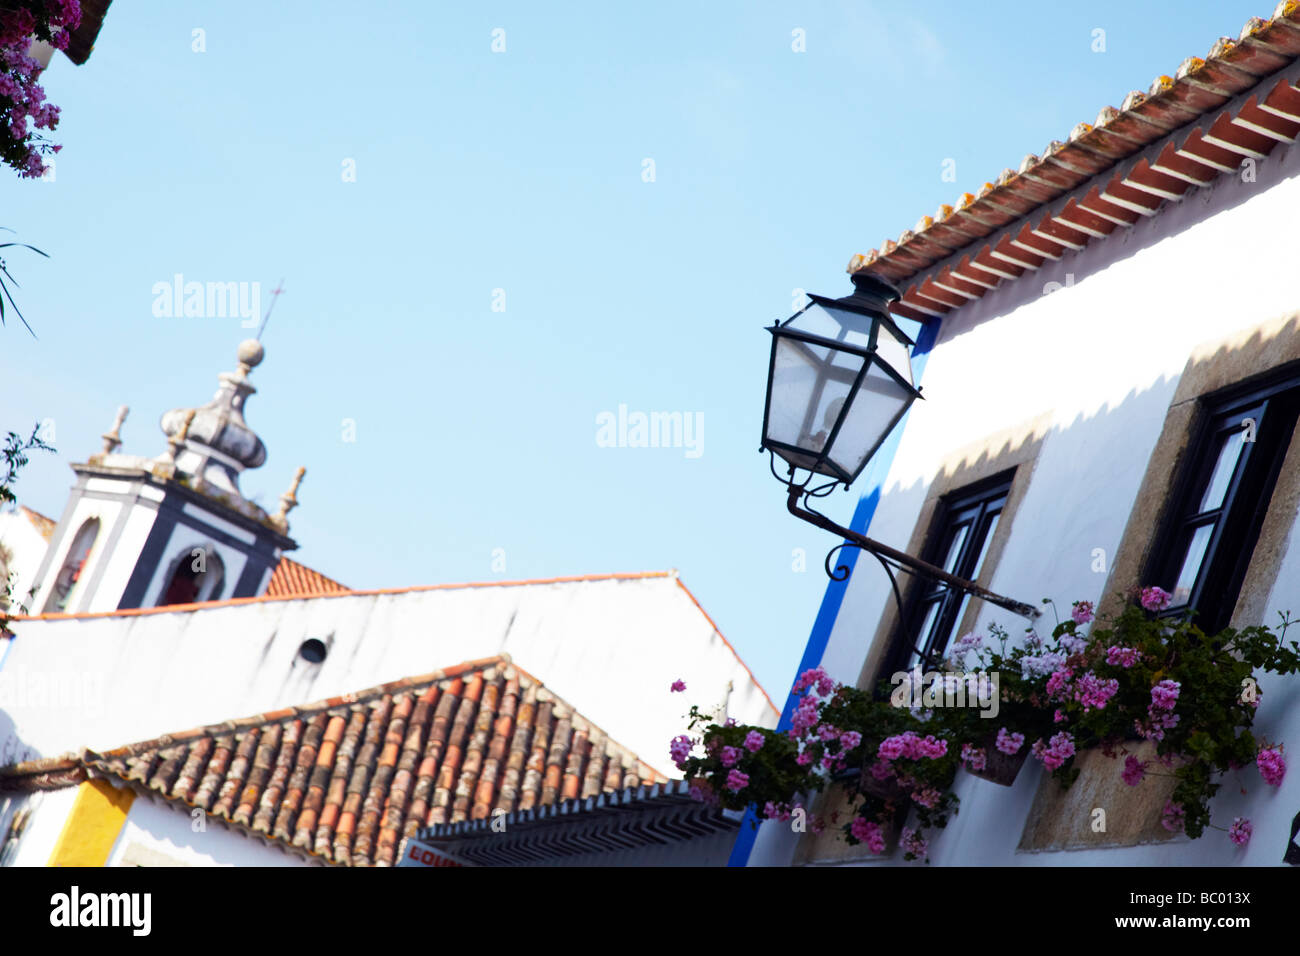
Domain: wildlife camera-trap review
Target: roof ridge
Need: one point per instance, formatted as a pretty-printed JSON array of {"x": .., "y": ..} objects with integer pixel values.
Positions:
[
  {"x": 358, "y": 592},
  {"x": 1236, "y": 102},
  {"x": 312, "y": 708}
]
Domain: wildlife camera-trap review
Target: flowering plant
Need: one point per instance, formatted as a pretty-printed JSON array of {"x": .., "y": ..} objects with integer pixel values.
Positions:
[
  {"x": 21, "y": 97},
  {"x": 1139, "y": 676},
  {"x": 1143, "y": 676},
  {"x": 838, "y": 733}
]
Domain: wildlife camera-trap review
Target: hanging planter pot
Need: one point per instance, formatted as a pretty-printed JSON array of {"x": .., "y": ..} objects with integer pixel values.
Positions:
[
  {"x": 1000, "y": 768},
  {"x": 887, "y": 789}
]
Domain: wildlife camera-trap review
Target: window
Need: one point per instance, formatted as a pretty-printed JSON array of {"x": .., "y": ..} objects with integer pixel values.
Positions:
[
  {"x": 197, "y": 576},
  {"x": 963, "y": 529},
  {"x": 1203, "y": 551},
  {"x": 70, "y": 573}
]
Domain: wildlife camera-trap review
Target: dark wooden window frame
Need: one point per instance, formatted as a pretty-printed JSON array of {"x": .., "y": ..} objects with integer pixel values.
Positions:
[
  {"x": 977, "y": 506},
  {"x": 1273, "y": 401}
]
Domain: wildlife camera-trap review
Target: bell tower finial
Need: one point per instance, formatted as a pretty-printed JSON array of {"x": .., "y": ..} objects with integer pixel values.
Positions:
[
  {"x": 289, "y": 500},
  {"x": 113, "y": 438}
]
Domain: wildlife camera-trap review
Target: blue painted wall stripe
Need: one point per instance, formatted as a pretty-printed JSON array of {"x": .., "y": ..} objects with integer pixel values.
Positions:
[{"x": 828, "y": 613}]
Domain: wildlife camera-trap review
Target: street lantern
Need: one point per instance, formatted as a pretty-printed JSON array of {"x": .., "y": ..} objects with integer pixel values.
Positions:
[{"x": 840, "y": 378}]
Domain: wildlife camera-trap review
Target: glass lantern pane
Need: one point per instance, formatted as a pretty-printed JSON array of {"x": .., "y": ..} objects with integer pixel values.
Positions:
[
  {"x": 870, "y": 417},
  {"x": 895, "y": 352},
  {"x": 842, "y": 325},
  {"x": 807, "y": 395}
]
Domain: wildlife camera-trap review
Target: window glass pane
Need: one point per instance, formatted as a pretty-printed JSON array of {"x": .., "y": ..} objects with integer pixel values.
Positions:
[
  {"x": 1192, "y": 564},
  {"x": 954, "y": 549},
  {"x": 1230, "y": 445},
  {"x": 923, "y": 634},
  {"x": 984, "y": 546}
]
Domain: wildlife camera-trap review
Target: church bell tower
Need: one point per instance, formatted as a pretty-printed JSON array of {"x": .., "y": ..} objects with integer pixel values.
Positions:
[{"x": 175, "y": 529}]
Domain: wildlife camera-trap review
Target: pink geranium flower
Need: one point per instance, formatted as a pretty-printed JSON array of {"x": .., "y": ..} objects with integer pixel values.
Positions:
[
  {"x": 1172, "y": 819},
  {"x": 1272, "y": 765},
  {"x": 737, "y": 781},
  {"x": 1134, "y": 771},
  {"x": 1155, "y": 599},
  {"x": 1082, "y": 612},
  {"x": 1240, "y": 831},
  {"x": 1010, "y": 743},
  {"x": 868, "y": 832},
  {"x": 677, "y": 686}
]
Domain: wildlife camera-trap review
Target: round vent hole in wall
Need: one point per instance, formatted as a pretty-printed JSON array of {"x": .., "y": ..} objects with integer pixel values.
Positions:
[{"x": 312, "y": 650}]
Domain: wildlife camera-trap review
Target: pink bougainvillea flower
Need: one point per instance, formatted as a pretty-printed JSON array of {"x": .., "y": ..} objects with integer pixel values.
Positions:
[
  {"x": 1240, "y": 831},
  {"x": 737, "y": 781},
  {"x": 677, "y": 686},
  {"x": 1082, "y": 612},
  {"x": 1272, "y": 765},
  {"x": 1155, "y": 599}
]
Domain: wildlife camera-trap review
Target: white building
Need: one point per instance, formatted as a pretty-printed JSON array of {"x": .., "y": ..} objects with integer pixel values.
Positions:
[
  {"x": 1093, "y": 324},
  {"x": 163, "y": 601}
]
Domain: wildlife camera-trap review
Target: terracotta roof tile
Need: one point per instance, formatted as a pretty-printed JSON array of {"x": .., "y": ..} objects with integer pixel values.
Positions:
[
  {"x": 291, "y": 579},
  {"x": 347, "y": 779},
  {"x": 1211, "y": 92}
]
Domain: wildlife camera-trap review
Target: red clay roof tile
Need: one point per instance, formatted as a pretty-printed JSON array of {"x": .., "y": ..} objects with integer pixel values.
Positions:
[
  {"x": 347, "y": 779},
  {"x": 1200, "y": 89}
]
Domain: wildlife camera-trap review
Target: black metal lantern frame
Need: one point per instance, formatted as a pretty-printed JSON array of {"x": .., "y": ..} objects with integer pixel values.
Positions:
[
  {"x": 821, "y": 462},
  {"x": 870, "y": 299}
]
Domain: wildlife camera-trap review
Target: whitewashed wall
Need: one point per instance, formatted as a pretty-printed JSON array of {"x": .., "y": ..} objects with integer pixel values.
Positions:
[
  {"x": 1102, "y": 357},
  {"x": 611, "y": 648}
]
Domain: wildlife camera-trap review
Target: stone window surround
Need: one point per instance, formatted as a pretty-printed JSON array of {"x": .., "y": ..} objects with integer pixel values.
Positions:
[
  {"x": 1226, "y": 363},
  {"x": 1016, "y": 447}
]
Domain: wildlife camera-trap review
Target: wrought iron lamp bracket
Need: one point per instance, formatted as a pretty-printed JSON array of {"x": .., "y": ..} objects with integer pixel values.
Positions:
[{"x": 799, "y": 493}]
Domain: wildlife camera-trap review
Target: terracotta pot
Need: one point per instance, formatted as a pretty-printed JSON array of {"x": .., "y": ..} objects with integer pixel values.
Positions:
[{"x": 1000, "y": 768}]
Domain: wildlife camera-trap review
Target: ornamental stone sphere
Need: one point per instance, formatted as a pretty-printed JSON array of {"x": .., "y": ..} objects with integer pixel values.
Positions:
[{"x": 250, "y": 352}]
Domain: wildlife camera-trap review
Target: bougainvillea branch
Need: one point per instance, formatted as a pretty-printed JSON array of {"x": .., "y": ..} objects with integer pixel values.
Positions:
[{"x": 23, "y": 109}]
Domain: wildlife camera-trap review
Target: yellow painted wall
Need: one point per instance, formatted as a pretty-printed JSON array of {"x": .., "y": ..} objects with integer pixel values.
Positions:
[{"x": 92, "y": 825}]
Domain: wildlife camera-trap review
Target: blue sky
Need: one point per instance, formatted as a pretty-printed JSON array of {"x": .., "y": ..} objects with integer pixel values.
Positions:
[{"x": 520, "y": 171}]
